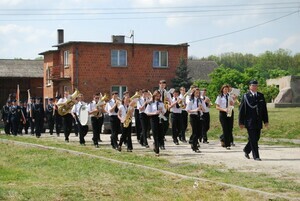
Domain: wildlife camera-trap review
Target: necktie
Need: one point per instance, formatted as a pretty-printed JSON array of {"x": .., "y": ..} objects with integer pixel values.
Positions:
[
  {"x": 162, "y": 96},
  {"x": 198, "y": 112},
  {"x": 226, "y": 100},
  {"x": 116, "y": 109},
  {"x": 157, "y": 105},
  {"x": 177, "y": 105},
  {"x": 145, "y": 102}
]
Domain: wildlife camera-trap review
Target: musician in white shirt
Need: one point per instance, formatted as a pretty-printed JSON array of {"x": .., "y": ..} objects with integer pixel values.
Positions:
[
  {"x": 206, "y": 116},
  {"x": 223, "y": 102},
  {"x": 195, "y": 109},
  {"x": 112, "y": 109},
  {"x": 97, "y": 118},
  {"x": 142, "y": 103},
  {"x": 126, "y": 111},
  {"x": 67, "y": 119},
  {"x": 155, "y": 110},
  {"x": 82, "y": 129},
  {"x": 176, "y": 116},
  {"x": 184, "y": 115}
]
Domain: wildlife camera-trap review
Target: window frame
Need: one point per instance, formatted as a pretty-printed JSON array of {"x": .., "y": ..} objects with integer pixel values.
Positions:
[
  {"x": 118, "y": 62},
  {"x": 48, "y": 76},
  {"x": 160, "y": 59},
  {"x": 66, "y": 59}
]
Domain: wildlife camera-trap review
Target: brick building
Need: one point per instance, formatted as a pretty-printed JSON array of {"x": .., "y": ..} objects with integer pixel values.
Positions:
[
  {"x": 104, "y": 67},
  {"x": 28, "y": 74}
]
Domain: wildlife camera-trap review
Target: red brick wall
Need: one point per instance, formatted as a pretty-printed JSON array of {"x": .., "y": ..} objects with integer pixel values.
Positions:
[{"x": 95, "y": 73}]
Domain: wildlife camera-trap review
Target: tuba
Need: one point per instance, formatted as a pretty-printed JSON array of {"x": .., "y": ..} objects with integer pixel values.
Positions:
[
  {"x": 66, "y": 107},
  {"x": 100, "y": 104}
]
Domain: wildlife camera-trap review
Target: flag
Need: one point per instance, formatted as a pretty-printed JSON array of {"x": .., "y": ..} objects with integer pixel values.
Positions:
[
  {"x": 18, "y": 95},
  {"x": 29, "y": 98}
]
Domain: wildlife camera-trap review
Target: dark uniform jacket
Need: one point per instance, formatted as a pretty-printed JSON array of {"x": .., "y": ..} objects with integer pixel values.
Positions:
[
  {"x": 5, "y": 112},
  {"x": 38, "y": 111},
  {"x": 15, "y": 113},
  {"x": 253, "y": 111}
]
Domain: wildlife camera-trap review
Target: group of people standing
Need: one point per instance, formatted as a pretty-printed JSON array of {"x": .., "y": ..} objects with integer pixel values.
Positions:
[{"x": 151, "y": 111}]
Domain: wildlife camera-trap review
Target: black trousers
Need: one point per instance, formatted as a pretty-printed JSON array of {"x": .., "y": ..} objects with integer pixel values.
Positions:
[
  {"x": 184, "y": 116},
  {"x": 126, "y": 136},
  {"x": 39, "y": 125},
  {"x": 82, "y": 130},
  {"x": 23, "y": 126},
  {"x": 196, "y": 124},
  {"x": 97, "y": 126},
  {"x": 206, "y": 125},
  {"x": 144, "y": 119},
  {"x": 227, "y": 126},
  {"x": 166, "y": 123},
  {"x": 252, "y": 145},
  {"x": 115, "y": 127},
  {"x": 32, "y": 126},
  {"x": 7, "y": 126},
  {"x": 138, "y": 124},
  {"x": 67, "y": 125},
  {"x": 50, "y": 120},
  {"x": 58, "y": 123},
  {"x": 176, "y": 119},
  {"x": 14, "y": 122},
  {"x": 157, "y": 131}
]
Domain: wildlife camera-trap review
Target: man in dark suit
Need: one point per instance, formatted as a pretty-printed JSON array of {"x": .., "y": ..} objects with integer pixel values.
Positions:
[
  {"x": 38, "y": 115},
  {"x": 4, "y": 118},
  {"x": 253, "y": 113}
]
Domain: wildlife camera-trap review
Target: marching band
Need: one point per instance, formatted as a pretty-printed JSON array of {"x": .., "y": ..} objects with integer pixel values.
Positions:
[{"x": 151, "y": 111}]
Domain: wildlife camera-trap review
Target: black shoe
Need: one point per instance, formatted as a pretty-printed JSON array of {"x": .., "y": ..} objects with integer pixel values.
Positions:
[
  {"x": 205, "y": 142},
  {"x": 119, "y": 148},
  {"x": 99, "y": 140},
  {"x": 147, "y": 146},
  {"x": 232, "y": 144},
  {"x": 96, "y": 146},
  {"x": 51, "y": 133},
  {"x": 228, "y": 148},
  {"x": 66, "y": 140},
  {"x": 177, "y": 143},
  {"x": 129, "y": 150},
  {"x": 162, "y": 148},
  {"x": 257, "y": 159},
  {"x": 246, "y": 155}
]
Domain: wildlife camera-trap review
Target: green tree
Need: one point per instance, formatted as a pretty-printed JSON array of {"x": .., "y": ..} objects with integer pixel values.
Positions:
[{"x": 181, "y": 78}]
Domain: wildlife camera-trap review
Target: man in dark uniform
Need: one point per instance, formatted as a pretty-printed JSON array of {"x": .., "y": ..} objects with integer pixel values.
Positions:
[
  {"x": 50, "y": 115},
  {"x": 57, "y": 118},
  {"x": 4, "y": 118},
  {"x": 38, "y": 116},
  {"x": 253, "y": 111},
  {"x": 29, "y": 112},
  {"x": 25, "y": 123},
  {"x": 14, "y": 117}
]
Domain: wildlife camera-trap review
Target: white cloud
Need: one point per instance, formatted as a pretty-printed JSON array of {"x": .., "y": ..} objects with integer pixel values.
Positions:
[
  {"x": 10, "y": 2},
  {"x": 291, "y": 42},
  {"x": 263, "y": 43}
]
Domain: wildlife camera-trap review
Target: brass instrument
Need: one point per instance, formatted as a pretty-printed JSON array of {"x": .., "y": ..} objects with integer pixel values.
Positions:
[
  {"x": 99, "y": 105},
  {"x": 181, "y": 101},
  {"x": 128, "y": 117},
  {"x": 136, "y": 95},
  {"x": 66, "y": 107}
]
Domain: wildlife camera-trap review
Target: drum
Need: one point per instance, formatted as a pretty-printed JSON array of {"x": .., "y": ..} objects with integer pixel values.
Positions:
[{"x": 83, "y": 115}]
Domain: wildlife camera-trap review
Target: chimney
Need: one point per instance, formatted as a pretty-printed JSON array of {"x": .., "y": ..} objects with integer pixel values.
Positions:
[
  {"x": 60, "y": 36},
  {"x": 118, "y": 39}
]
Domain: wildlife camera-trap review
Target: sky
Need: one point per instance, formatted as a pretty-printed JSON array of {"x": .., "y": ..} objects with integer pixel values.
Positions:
[{"x": 210, "y": 27}]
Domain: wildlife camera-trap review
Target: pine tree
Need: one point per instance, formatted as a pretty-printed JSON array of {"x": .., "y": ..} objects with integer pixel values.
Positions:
[{"x": 181, "y": 78}]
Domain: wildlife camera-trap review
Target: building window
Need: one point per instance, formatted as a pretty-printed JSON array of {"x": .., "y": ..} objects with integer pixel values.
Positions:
[
  {"x": 119, "y": 58},
  {"x": 119, "y": 89},
  {"x": 48, "y": 78},
  {"x": 66, "y": 59},
  {"x": 160, "y": 59}
]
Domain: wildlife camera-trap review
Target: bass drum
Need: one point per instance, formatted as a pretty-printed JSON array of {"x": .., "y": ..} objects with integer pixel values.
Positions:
[{"x": 83, "y": 115}]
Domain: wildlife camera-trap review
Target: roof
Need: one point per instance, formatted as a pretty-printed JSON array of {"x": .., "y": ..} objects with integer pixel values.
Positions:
[
  {"x": 110, "y": 43},
  {"x": 21, "y": 68},
  {"x": 199, "y": 69}
]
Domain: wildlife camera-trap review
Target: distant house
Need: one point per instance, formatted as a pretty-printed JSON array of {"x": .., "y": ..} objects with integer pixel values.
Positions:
[
  {"x": 108, "y": 66},
  {"x": 199, "y": 70},
  {"x": 28, "y": 74}
]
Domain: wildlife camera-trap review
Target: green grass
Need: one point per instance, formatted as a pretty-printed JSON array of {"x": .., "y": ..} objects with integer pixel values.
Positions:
[
  {"x": 283, "y": 123},
  {"x": 59, "y": 161},
  {"x": 36, "y": 174}
]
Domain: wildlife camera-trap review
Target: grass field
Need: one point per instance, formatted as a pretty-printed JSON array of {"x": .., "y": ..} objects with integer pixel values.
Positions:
[{"x": 31, "y": 173}]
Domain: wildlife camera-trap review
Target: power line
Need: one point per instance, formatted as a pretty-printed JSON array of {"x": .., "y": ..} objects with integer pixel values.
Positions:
[
  {"x": 240, "y": 30},
  {"x": 149, "y": 8},
  {"x": 141, "y": 18}
]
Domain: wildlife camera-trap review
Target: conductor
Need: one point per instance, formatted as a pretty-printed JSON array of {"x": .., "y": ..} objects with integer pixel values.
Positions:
[{"x": 252, "y": 114}]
